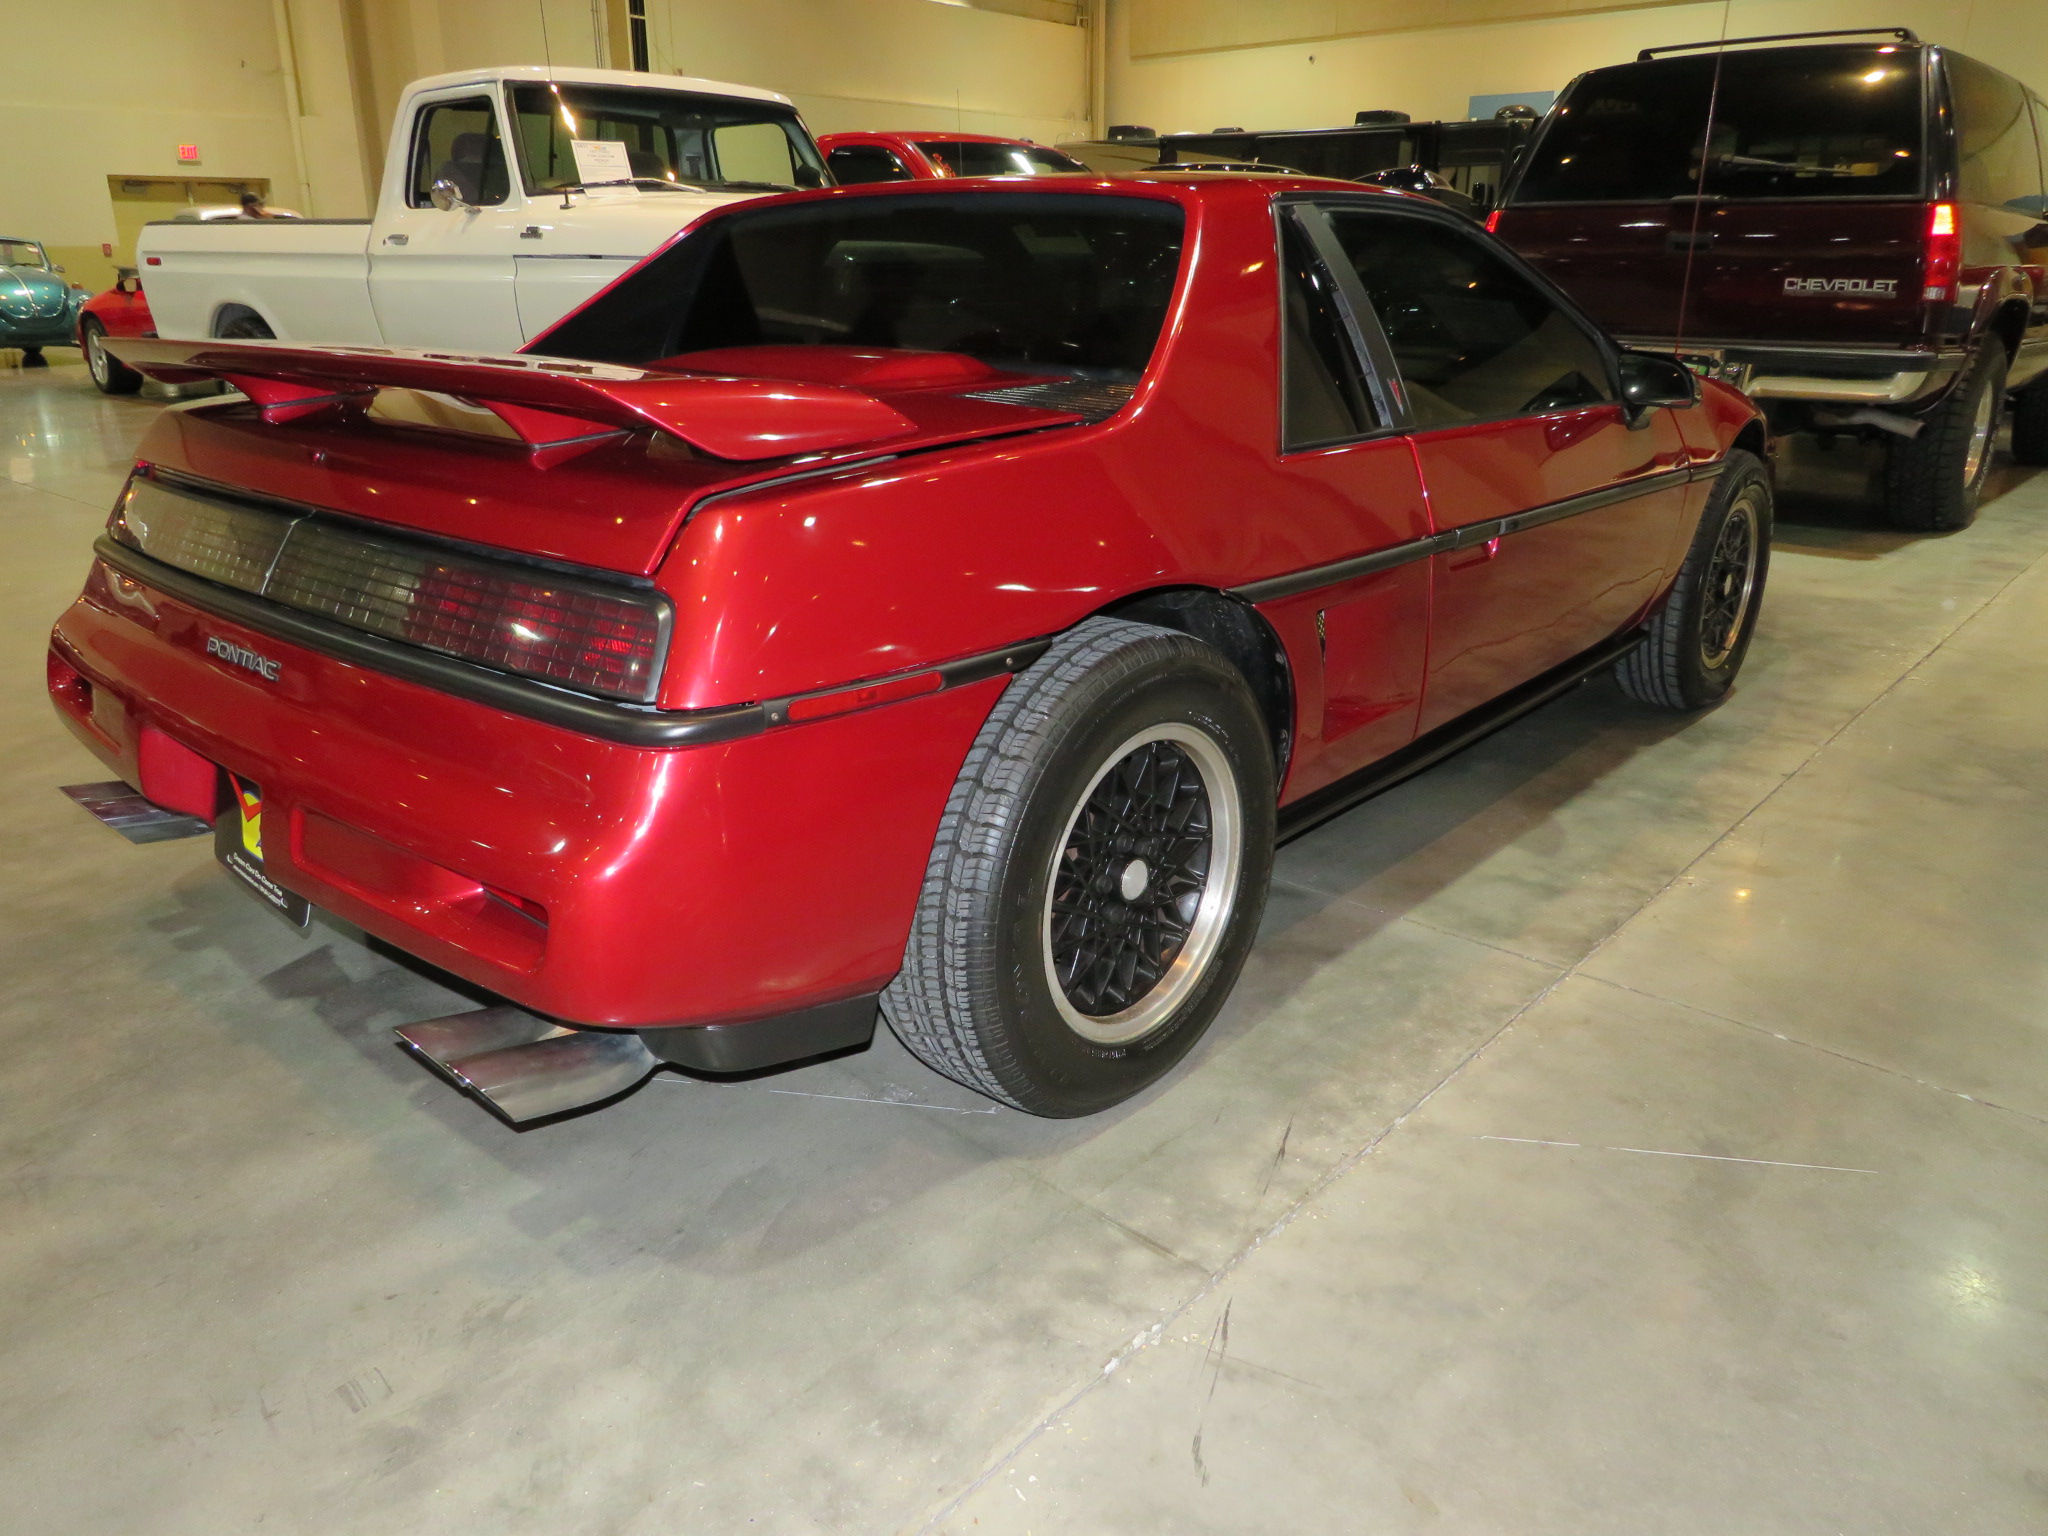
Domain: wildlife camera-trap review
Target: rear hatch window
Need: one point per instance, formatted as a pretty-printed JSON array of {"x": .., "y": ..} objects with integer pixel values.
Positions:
[
  {"x": 1076, "y": 287},
  {"x": 1839, "y": 121}
]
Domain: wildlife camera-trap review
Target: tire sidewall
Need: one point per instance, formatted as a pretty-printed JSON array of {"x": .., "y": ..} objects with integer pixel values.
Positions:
[
  {"x": 1058, "y": 1071},
  {"x": 1698, "y": 680},
  {"x": 97, "y": 360}
]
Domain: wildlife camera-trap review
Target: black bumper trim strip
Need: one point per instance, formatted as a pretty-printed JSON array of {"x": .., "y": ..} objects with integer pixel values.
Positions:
[{"x": 623, "y": 723}]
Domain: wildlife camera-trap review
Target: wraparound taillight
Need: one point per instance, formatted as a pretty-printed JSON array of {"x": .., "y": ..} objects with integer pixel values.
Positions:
[
  {"x": 1944, "y": 253},
  {"x": 568, "y": 630}
]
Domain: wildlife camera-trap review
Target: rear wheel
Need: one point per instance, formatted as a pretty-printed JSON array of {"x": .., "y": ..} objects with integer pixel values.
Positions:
[
  {"x": 2030, "y": 423},
  {"x": 109, "y": 373},
  {"x": 1697, "y": 641},
  {"x": 1097, "y": 877},
  {"x": 1933, "y": 482}
]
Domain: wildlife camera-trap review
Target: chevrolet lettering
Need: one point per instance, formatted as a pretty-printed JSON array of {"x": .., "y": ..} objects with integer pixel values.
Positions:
[
  {"x": 1851, "y": 287},
  {"x": 241, "y": 656}
]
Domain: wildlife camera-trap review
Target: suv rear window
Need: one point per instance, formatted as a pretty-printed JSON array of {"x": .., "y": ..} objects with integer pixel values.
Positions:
[
  {"x": 1835, "y": 121},
  {"x": 1055, "y": 284}
]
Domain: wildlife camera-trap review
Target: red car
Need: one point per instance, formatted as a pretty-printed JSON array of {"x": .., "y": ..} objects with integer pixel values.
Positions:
[
  {"x": 857, "y": 158},
  {"x": 928, "y": 597},
  {"x": 120, "y": 311}
]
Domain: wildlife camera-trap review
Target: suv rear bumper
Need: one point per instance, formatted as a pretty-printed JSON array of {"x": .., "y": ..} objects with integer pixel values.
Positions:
[
  {"x": 586, "y": 880},
  {"x": 1832, "y": 375}
]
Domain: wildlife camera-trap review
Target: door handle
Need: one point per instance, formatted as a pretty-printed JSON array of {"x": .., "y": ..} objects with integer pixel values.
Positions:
[
  {"x": 1476, "y": 554},
  {"x": 395, "y": 239},
  {"x": 1679, "y": 241}
]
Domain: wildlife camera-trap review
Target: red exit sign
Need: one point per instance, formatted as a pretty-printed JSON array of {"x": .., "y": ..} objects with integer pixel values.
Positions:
[{"x": 188, "y": 154}]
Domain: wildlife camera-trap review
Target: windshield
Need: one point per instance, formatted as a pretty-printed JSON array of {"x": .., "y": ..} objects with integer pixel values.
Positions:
[
  {"x": 967, "y": 157},
  {"x": 1075, "y": 286},
  {"x": 672, "y": 138},
  {"x": 22, "y": 253},
  {"x": 1835, "y": 121}
]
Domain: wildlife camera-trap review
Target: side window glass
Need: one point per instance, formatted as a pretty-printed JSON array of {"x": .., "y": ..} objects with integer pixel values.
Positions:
[
  {"x": 1322, "y": 391},
  {"x": 855, "y": 164},
  {"x": 1995, "y": 149},
  {"x": 458, "y": 141},
  {"x": 754, "y": 152},
  {"x": 1475, "y": 340}
]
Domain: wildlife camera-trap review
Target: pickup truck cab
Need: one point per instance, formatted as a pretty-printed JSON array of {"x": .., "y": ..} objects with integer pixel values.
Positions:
[
  {"x": 1848, "y": 226},
  {"x": 510, "y": 195}
]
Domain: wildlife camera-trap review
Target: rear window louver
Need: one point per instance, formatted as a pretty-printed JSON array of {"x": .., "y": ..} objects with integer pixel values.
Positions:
[{"x": 570, "y": 631}]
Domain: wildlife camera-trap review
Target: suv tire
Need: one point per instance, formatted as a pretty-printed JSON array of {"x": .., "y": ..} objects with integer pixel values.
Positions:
[
  {"x": 1695, "y": 644},
  {"x": 2030, "y": 423},
  {"x": 1098, "y": 874},
  {"x": 1933, "y": 482}
]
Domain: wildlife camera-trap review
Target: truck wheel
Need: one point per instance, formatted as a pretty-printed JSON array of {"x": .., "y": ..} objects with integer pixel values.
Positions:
[
  {"x": 1697, "y": 640},
  {"x": 239, "y": 324},
  {"x": 1933, "y": 482},
  {"x": 2030, "y": 424},
  {"x": 109, "y": 373},
  {"x": 1097, "y": 877}
]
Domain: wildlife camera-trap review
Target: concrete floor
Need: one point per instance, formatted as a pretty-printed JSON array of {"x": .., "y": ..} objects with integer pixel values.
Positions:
[{"x": 1634, "y": 1126}]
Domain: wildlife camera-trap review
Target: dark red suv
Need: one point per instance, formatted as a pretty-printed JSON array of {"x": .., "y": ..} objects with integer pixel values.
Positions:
[{"x": 1851, "y": 230}]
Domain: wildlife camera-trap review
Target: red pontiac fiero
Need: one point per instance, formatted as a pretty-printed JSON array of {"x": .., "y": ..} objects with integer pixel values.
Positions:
[{"x": 931, "y": 600}]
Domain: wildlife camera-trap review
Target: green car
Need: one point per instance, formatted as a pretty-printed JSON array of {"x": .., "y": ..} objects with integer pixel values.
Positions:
[{"x": 38, "y": 308}]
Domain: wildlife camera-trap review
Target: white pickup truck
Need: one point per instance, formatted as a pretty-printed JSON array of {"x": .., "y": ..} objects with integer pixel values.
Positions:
[{"x": 510, "y": 196}]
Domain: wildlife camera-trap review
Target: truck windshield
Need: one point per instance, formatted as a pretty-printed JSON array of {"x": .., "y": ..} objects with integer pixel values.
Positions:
[
  {"x": 1074, "y": 286},
  {"x": 1830, "y": 122},
  {"x": 672, "y": 138},
  {"x": 968, "y": 157}
]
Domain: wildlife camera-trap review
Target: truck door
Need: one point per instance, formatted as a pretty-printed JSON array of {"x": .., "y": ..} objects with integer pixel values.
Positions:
[
  {"x": 444, "y": 277},
  {"x": 1570, "y": 518}
]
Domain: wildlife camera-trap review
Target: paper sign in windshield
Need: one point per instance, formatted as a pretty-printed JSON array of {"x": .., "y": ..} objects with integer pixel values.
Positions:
[{"x": 601, "y": 161}]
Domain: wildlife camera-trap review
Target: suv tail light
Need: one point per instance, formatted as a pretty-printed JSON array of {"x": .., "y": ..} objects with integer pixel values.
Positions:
[
  {"x": 568, "y": 630},
  {"x": 1944, "y": 252}
]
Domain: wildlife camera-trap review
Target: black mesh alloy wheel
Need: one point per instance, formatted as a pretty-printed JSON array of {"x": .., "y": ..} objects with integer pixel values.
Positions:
[
  {"x": 1097, "y": 877},
  {"x": 1695, "y": 645}
]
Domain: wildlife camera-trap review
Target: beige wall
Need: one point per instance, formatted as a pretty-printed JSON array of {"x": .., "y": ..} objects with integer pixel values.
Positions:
[
  {"x": 112, "y": 87},
  {"x": 1431, "y": 72}
]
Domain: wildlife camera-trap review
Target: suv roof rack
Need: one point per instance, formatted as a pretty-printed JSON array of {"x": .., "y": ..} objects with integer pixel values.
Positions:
[{"x": 1903, "y": 34}]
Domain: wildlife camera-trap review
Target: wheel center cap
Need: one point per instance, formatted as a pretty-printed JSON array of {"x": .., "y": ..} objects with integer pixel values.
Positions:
[{"x": 1134, "y": 879}]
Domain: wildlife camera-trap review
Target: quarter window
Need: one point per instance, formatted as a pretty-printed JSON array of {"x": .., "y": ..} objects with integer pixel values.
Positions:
[
  {"x": 1475, "y": 339},
  {"x": 1997, "y": 157},
  {"x": 458, "y": 141},
  {"x": 1323, "y": 397}
]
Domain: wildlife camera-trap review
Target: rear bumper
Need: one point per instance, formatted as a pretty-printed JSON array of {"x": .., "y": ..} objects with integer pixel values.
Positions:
[
  {"x": 587, "y": 880},
  {"x": 1882, "y": 376}
]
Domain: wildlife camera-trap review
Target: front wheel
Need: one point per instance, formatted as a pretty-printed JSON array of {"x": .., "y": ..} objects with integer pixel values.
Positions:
[
  {"x": 110, "y": 375},
  {"x": 1696, "y": 643},
  {"x": 1097, "y": 877},
  {"x": 1933, "y": 481}
]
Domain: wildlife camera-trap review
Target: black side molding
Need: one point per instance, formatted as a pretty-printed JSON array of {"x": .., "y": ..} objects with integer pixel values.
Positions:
[
  {"x": 1274, "y": 587},
  {"x": 771, "y": 1042}
]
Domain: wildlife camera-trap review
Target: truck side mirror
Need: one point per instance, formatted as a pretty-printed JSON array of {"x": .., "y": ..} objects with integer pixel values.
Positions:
[
  {"x": 1650, "y": 381},
  {"x": 447, "y": 197}
]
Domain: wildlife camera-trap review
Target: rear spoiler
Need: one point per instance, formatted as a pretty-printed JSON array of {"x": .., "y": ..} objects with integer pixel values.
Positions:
[{"x": 556, "y": 406}]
